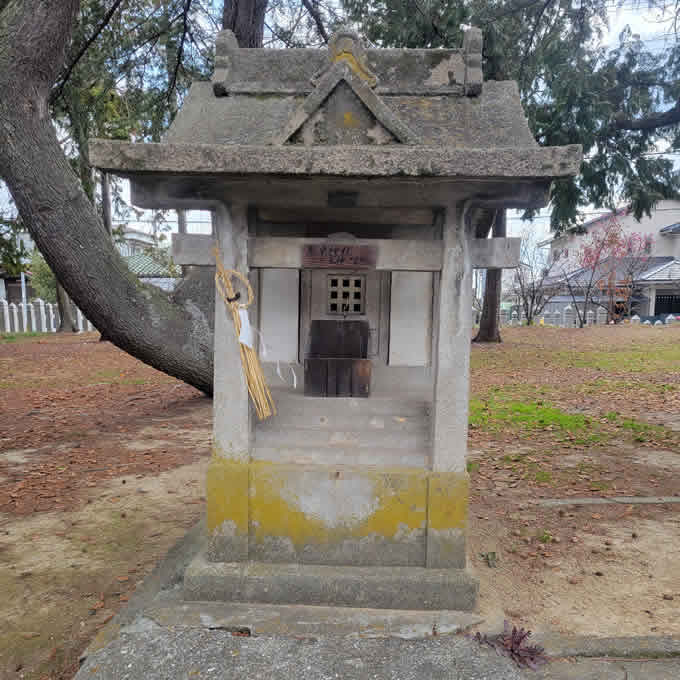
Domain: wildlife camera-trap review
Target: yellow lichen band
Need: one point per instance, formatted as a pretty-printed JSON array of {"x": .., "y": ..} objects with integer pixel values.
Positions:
[
  {"x": 295, "y": 502},
  {"x": 447, "y": 500},
  {"x": 227, "y": 484},
  {"x": 380, "y": 503},
  {"x": 356, "y": 67}
]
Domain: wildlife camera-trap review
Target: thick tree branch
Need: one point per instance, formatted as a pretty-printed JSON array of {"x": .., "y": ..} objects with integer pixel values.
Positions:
[
  {"x": 141, "y": 320},
  {"x": 314, "y": 12},
  {"x": 106, "y": 19},
  {"x": 37, "y": 66},
  {"x": 246, "y": 19},
  {"x": 651, "y": 122}
]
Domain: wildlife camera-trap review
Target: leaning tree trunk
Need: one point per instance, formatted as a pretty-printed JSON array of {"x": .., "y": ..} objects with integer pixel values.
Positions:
[
  {"x": 67, "y": 324},
  {"x": 246, "y": 19},
  {"x": 61, "y": 219},
  {"x": 489, "y": 324}
]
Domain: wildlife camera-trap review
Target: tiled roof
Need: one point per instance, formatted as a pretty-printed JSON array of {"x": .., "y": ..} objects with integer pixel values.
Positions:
[
  {"x": 653, "y": 268},
  {"x": 145, "y": 267},
  {"x": 669, "y": 271}
]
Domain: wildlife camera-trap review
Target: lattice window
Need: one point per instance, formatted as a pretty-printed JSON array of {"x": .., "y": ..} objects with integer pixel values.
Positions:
[{"x": 346, "y": 294}]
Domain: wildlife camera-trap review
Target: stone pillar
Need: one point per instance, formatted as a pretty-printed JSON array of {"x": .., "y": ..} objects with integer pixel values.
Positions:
[
  {"x": 6, "y": 327},
  {"x": 602, "y": 316},
  {"x": 227, "y": 483},
  {"x": 15, "y": 317},
  {"x": 568, "y": 317},
  {"x": 50, "y": 313},
  {"x": 41, "y": 315},
  {"x": 652, "y": 301},
  {"x": 448, "y": 488},
  {"x": 590, "y": 317}
]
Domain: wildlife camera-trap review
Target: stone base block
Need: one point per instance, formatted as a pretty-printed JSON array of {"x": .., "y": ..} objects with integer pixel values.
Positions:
[
  {"x": 373, "y": 587},
  {"x": 335, "y": 515}
]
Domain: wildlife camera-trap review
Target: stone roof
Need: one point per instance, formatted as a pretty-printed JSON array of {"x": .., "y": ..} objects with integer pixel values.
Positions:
[{"x": 347, "y": 111}]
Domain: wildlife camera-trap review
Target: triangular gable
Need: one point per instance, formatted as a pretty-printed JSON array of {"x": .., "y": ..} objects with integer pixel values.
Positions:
[{"x": 338, "y": 73}]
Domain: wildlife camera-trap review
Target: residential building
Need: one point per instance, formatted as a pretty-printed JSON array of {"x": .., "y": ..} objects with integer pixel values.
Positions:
[{"x": 656, "y": 282}]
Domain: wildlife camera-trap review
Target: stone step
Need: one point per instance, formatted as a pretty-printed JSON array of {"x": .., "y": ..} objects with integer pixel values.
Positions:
[
  {"x": 286, "y": 620},
  {"x": 410, "y": 588},
  {"x": 284, "y": 437},
  {"x": 290, "y": 404},
  {"x": 344, "y": 422},
  {"x": 331, "y": 455}
]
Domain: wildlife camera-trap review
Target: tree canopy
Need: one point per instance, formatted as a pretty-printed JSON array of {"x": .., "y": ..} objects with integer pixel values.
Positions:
[{"x": 622, "y": 103}]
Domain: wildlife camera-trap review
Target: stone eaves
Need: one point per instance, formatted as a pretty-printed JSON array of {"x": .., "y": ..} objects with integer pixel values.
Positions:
[{"x": 130, "y": 159}]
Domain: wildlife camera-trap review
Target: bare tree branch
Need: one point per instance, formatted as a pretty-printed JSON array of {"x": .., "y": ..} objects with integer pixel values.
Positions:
[
  {"x": 313, "y": 10},
  {"x": 180, "y": 49}
]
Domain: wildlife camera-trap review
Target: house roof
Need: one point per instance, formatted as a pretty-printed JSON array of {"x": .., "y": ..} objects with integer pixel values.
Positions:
[
  {"x": 671, "y": 230},
  {"x": 647, "y": 270},
  {"x": 666, "y": 271},
  {"x": 146, "y": 267},
  {"x": 347, "y": 111}
]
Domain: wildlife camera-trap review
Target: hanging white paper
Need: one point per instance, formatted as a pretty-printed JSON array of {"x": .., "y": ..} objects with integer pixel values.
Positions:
[{"x": 246, "y": 335}]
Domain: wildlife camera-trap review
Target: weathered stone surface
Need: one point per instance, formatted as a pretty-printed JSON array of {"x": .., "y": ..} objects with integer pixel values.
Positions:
[
  {"x": 373, "y": 587},
  {"x": 343, "y": 161},
  {"x": 180, "y": 654}
]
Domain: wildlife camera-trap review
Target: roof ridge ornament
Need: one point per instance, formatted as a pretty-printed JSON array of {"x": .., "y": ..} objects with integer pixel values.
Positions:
[
  {"x": 345, "y": 45},
  {"x": 472, "y": 54}
]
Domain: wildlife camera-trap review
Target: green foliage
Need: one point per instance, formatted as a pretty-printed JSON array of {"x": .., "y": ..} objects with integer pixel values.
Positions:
[
  {"x": 12, "y": 252},
  {"x": 574, "y": 90},
  {"x": 42, "y": 279}
]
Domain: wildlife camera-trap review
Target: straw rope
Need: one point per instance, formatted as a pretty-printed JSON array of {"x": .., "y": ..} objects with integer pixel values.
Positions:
[{"x": 257, "y": 387}]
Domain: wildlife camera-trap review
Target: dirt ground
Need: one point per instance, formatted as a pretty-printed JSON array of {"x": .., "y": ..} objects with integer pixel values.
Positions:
[{"x": 102, "y": 462}]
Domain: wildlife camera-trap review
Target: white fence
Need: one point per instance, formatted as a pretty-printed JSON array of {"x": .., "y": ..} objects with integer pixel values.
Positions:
[
  {"x": 568, "y": 318},
  {"x": 37, "y": 317}
]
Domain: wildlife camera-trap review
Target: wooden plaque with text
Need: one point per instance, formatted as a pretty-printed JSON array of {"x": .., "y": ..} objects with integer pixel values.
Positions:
[{"x": 338, "y": 256}]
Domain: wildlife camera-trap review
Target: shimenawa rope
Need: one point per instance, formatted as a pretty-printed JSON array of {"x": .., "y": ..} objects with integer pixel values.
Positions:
[{"x": 257, "y": 386}]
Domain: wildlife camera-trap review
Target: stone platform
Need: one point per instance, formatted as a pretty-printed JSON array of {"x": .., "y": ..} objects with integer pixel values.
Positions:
[{"x": 402, "y": 588}]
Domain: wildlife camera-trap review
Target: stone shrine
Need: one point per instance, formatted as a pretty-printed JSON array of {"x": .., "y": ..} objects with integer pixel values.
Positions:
[{"x": 347, "y": 184}]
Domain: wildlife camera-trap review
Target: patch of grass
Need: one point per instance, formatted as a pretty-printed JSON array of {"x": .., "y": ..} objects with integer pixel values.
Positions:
[
  {"x": 21, "y": 337},
  {"x": 544, "y": 536},
  {"x": 472, "y": 466},
  {"x": 599, "y": 486},
  {"x": 115, "y": 377},
  {"x": 636, "y": 359},
  {"x": 543, "y": 477},
  {"x": 534, "y": 416}
]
